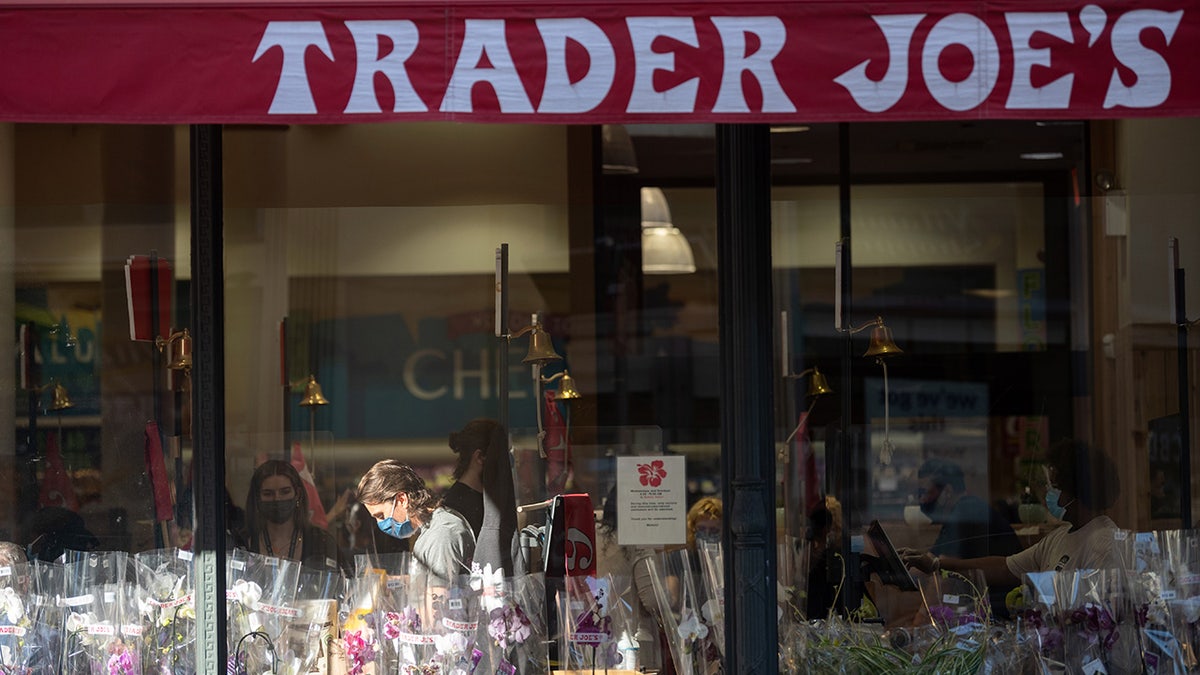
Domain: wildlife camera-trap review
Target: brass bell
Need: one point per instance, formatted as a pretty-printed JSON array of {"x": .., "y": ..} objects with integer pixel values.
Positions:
[
  {"x": 312, "y": 393},
  {"x": 567, "y": 390},
  {"x": 541, "y": 348},
  {"x": 817, "y": 384},
  {"x": 881, "y": 342},
  {"x": 180, "y": 355},
  {"x": 61, "y": 400}
]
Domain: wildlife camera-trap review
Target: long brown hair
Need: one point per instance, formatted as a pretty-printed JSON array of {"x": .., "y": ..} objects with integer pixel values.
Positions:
[
  {"x": 276, "y": 467},
  {"x": 391, "y": 477}
]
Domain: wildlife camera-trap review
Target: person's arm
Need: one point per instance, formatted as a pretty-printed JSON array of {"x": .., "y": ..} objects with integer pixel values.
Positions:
[{"x": 994, "y": 567}]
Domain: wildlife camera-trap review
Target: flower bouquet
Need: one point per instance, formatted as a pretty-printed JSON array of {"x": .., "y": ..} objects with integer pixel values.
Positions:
[
  {"x": 307, "y": 638},
  {"x": 516, "y": 626},
  {"x": 585, "y": 615},
  {"x": 1181, "y": 574},
  {"x": 43, "y": 647},
  {"x": 1083, "y": 603},
  {"x": 711, "y": 594},
  {"x": 15, "y": 619},
  {"x": 93, "y": 640},
  {"x": 166, "y": 609},
  {"x": 1038, "y": 625},
  {"x": 682, "y": 613},
  {"x": 956, "y": 602},
  {"x": 1162, "y": 653},
  {"x": 259, "y": 604},
  {"x": 359, "y": 643},
  {"x": 456, "y": 615}
]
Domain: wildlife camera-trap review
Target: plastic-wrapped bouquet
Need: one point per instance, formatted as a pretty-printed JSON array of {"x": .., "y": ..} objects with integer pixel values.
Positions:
[
  {"x": 1083, "y": 604},
  {"x": 457, "y": 614},
  {"x": 585, "y": 615},
  {"x": 16, "y": 621},
  {"x": 682, "y": 613},
  {"x": 1038, "y": 623},
  {"x": 516, "y": 628},
  {"x": 166, "y": 609},
  {"x": 259, "y": 604},
  {"x": 360, "y": 640},
  {"x": 711, "y": 592},
  {"x": 42, "y": 652},
  {"x": 93, "y": 639}
]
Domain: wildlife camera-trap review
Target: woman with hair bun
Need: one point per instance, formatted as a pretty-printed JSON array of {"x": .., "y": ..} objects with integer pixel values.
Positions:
[{"x": 472, "y": 444}]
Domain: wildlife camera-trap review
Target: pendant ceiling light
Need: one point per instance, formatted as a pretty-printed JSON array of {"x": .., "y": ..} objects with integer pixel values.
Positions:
[
  {"x": 664, "y": 248},
  {"x": 616, "y": 147}
]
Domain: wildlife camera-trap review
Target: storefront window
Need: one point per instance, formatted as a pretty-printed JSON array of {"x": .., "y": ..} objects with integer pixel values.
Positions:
[{"x": 86, "y": 204}]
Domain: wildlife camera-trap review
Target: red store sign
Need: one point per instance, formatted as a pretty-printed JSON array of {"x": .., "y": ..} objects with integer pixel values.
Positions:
[{"x": 300, "y": 62}]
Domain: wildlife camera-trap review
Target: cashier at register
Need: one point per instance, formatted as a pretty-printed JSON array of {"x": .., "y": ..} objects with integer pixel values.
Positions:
[
  {"x": 969, "y": 527},
  {"x": 1082, "y": 484}
]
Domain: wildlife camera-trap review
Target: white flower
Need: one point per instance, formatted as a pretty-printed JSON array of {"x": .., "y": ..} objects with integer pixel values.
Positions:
[
  {"x": 78, "y": 621},
  {"x": 451, "y": 642},
  {"x": 1191, "y": 609},
  {"x": 690, "y": 628},
  {"x": 247, "y": 592},
  {"x": 712, "y": 612},
  {"x": 14, "y": 609}
]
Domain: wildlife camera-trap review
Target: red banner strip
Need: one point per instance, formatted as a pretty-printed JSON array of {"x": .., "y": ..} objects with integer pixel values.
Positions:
[{"x": 304, "y": 62}]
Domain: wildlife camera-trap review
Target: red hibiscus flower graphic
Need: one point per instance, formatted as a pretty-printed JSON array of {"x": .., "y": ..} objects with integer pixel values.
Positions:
[{"x": 652, "y": 474}]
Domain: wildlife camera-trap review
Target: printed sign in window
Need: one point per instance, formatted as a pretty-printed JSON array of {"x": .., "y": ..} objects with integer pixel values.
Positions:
[{"x": 651, "y": 500}]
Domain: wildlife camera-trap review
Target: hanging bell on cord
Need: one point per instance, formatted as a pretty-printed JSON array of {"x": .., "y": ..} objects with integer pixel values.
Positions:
[
  {"x": 567, "y": 390},
  {"x": 61, "y": 400},
  {"x": 817, "y": 384},
  {"x": 541, "y": 347},
  {"x": 312, "y": 393},
  {"x": 179, "y": 356},
  {"x": 881, "y": 342}
]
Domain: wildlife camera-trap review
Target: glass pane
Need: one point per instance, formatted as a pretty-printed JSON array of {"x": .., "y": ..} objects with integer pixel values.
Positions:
[
  {"x": 375, "y": 247},
  {"x": 92, "y": 403},
  {"x": 952, "y": 353}
]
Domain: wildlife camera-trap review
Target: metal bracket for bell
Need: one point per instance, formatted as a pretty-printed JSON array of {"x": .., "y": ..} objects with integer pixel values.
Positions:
[{"x": 179, "y": 349}]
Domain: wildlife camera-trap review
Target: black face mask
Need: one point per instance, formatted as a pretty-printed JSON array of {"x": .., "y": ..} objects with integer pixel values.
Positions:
[{"x": 278, "y": 511}]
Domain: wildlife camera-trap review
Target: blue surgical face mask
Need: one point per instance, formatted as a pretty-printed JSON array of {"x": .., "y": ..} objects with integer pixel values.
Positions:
[
  {"x": 391, "y": 528},
  {"x": 1053, "y": 494},
  {"x": 1052, "y": 505}
]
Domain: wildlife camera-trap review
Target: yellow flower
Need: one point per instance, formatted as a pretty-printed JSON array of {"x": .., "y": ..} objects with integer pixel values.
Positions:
[{"x": 1015, "y": 599}]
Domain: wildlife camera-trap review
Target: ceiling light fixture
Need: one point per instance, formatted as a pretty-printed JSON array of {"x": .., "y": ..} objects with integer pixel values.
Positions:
[
  {"x": 664, "y": 248},
  {"x": 1041, "y": 156},
  {"x": 616, "y": 148}
]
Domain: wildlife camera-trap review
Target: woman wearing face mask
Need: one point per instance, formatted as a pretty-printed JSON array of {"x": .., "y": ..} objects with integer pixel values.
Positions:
[
  {"x": 401, "y": 504},
  {"x": 704, "y": 522},
  {"x": 1082, "y": 484},
  {"x": 277, "y": 521}
]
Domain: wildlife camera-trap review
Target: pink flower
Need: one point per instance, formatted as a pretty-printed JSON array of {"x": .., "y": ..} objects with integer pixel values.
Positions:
[{"x": 359, "y": 651}]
